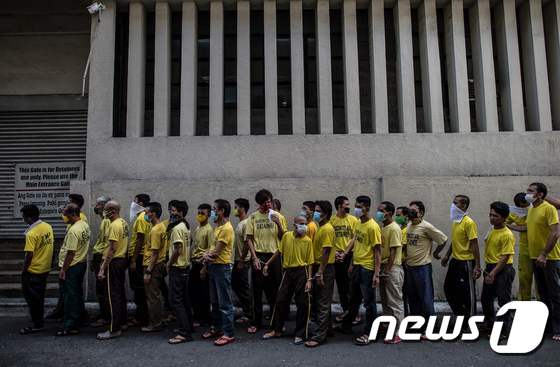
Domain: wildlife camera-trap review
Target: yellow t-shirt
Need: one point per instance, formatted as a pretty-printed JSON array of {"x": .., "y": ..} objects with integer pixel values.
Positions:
[
  {"x": 181, "y": 235},
  {"x": 419, "y": 239},
  {"x": 344, "y": 230},
  {"x": 77, "y": 240},
  {"x": 368, "y": 235},
  {"x": 311, "y": 230},
  {"x": 499, "y": 242},
  {"x": 296, "y": 251},
  {"x": 240, "y": 240},
  {"x": 157, "y": 240},
  {"x": 391, "y": 237},
  {"x": 461, "y": 235},
  {"x": 539, "y": 220},
  {"x": 325, "y": 237},
  {"x": 39, "y": 240},
  {"x": 403, "y": 254},
  {"x": 142, "y": 226},
  {"x": 264, "y": 232},
  {"x": 223, "y": 233},
  {"x": 203, "y": 238},
  {"x": 118, "y": 232},
  {"x": 520, "y": 221},
  {"x": 102, "y": 237}
]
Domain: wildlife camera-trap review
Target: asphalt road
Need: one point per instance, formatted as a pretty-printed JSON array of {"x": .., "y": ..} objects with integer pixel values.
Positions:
[{"x": 137, "y": 349}]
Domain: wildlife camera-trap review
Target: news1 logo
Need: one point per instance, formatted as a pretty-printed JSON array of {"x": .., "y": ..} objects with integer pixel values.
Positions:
[{"x": 525, "y": 335}]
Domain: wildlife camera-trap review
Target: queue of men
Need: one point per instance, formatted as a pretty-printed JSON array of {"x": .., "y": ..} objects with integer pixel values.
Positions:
[{"x": 370, "y": 247}]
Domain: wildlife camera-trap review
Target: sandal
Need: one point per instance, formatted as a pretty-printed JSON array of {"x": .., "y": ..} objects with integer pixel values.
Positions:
[
  {"x": 362, "y": 340},
  {"x": 29, "y": 330},
  {"x": 66, "y": 332},
  {"x": 178, "y": 339},
  {"x": 312, "y": 343},
  {"x": 252, "y": 330},
  {"x": 298, "y": 340},
  {"x": 212, "y": 333},
  {"x": 224, "y": 340},
  {"x": 556, "y": 337},
  {"x": 271, "y": 335}
]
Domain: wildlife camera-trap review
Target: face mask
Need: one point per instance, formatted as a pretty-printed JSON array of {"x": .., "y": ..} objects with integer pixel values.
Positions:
[
  {"x": 147, "y": 218},
  {"x": 456, "y": 214},
  {"x": 316, "y": 216},
  {"x": 301, "y": 229},
  {"x": 358, "y": 212},
  {"x": 97, "y": 210},
  {"x": 347, "y": 210},
  {"x": 173, "y": 218},
  {"x": 412, "y": 214},
  {"x": 65, "y": 218},
  {"x": 380, "y": 216},
  {"x": 105, "y": 214},
  {"x": 400, "y": 219},
  {"x": 213, "y": 216},
  {"x": 200, "y": 218},
  {"x": 303, "y": 213},
  {"x": 235, "y": 212},
  {"x": 520, "y": 212},
  {"x": 530, "y": 198},
  {"x": 135, "y": 209}
]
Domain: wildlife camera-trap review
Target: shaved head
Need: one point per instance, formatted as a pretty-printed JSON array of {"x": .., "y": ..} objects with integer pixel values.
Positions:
[{"x": 113, "y": 204}]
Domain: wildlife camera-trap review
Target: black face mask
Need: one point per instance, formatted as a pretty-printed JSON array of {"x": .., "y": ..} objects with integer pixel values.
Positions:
[
  {"x": 347, "y": 210},
  {"x": 412, "y": 214}
]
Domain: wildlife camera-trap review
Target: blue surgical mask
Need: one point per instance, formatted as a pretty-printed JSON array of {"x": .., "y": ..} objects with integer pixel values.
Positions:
[
  {"x": 147, "y": 218},
  {"x": 316, "y": 216},
  {"x": 379, "y": 216},
  {"x": 213, "y": 216},
  {"x": 358, "y": 212},
  {"x": 301, "y": 229}
]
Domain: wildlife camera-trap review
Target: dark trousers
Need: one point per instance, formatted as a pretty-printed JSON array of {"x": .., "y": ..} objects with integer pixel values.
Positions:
[
  {"x": 115, "y": 283},
  {"x": 420, "y": 288},
  {"x": 199, "y": 291},
  {"x": 100, "y": 288},
  {"x": 240, "y": 285},
  {"x": 406, "y": 303},
  {"x": 154, "y": 297},
  {"x": 179, "y": 299},
  {"x": 343, "y": 282},
  {"x": 361, "y": 287},
  {"x": 74, "y": 296},
  {"x": 33, "y": 287},
  {"x": 500, "y": 289},
  {"x": 220, "y": 296},
  {"x": 164, "y": 289},
  {"x": 459, "y": 287},
  {"x": 548, "y": 285},
  {"x": 292, "y": 285},
  {"x": 269, "y": 285},
  {"x": 324, "y": 299},
  {"x": 136, "y": 280}
]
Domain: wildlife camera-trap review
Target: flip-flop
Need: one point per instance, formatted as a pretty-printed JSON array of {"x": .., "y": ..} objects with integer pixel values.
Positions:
[
  {"x": 66, "y": 332},
  {"x": 224, "y": 340},
  {"x": 178, "y": 339},
  {"x": 211, "y": 333},
  {"x": 556, "y": 337},
  {"x": 271, "y": 335},
  {"x": 362, "y": 340},
  {"x": 29, "y": 330},
  {"x": 252, "y": 330},
  {"x": 312, "y": 343}
]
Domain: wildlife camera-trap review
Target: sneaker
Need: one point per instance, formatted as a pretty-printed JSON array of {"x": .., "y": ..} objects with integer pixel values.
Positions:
[{"x": 109, "y": 335}]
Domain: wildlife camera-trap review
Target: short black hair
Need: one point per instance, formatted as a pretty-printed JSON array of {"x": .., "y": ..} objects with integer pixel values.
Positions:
[
  {"x": 310, "y": 204},
  {"x": 155, "y": 208},
  {"x": 541, "y": 188},
  {"x": 364, "y": 200},
  {"x": 242, "y": 203},
  {"x": 519, "y": 199},
  {"x": 277, "y": 204},
  {"x": 205, "y": 206},
  {"x": 389, "y": 207},
  {"x": 30, "y": 211},
  {"x": 465, "y": 198},
  {"x": 143, "y": 199},
  {"x": 262, "y": 196},
  {"x": 339, "y": 201},
  {"x": 420, "y": 206},
  {"x": 180, "y": 205},
  {"x": 403, "y": 209},
  {"x": 326, "y": 207},
  {"x": 222, "y": 204},
  {"x": 73, "y": 209},
  {"x": 501, "y": 208},
  {"x": 172, "y": 203},
  {"x": 76, "y": 199}
]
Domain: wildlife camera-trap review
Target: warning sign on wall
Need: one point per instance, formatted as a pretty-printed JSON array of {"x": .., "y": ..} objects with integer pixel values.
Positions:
[{"x": 45, "y": 184}]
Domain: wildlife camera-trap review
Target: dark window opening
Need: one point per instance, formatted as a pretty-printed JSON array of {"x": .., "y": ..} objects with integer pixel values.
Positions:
[
  {"x": 337, "y": 72},
  {"x": 257, "y": 73},
  {"x": 284, "y": 71},
  {"x": 310, "y": 72},
  {"x": 230, "y": 73},
  {"x": 203, "y": 73},
  {"x": 362, "y": 28},
  {"x": 121, "y": 75}
]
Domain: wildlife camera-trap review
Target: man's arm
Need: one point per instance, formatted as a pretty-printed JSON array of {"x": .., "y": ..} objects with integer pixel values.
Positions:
[
  {"x": 349, "y": 246},
  {"x": 139, "y": 244},
  {"x": 27, "y": 260},
  {"x": 490, "y": 277},
  {"x": 446, "y": 257},
  {"x": 377, "y": 265},
  {"x": 391, "y": 260},
  {"x": 212, "y": 254},
  {"x": 555, "y": 202},
  {"x": 270, "y": 261},
  {"x": 476, "y": 252},
  {"x": 324, "y": 260},
  {"x": 550, "y": 243},
  {"x": 439, "y": 248},
  {"x": 107, "y": 258},
  {"x": 256, "y": 261},
  {"x": 517, "y": 228},
  {"x": 67, "y": 261},
  {"x": 175, "y": 254}
]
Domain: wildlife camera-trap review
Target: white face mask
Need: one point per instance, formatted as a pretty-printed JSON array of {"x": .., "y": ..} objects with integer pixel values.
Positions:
[
  {"x": 456, "y": 214},
  {"x": 358, "y": 212},
  {"x": 301, "y": 229},
  {"x": 520, "y": 212},
  {"x": 135, "y": 209},
  {"x": 530, "y": 198}
]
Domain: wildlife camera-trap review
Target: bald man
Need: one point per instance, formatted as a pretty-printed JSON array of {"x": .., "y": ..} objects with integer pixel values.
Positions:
[{"x": 113, "y": 270}]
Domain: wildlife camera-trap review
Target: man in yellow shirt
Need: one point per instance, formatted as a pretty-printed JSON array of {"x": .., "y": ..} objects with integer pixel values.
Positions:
[
  {"x": 366, "y": 268},
  {"x": 178, "y": 268},
  {"x": 401, "y": 218},
  {"x": 264, "y": 232},
  {"x": 543, "y": 232},
  {"x": 72, "y": 260},
  {"x": 464, "y": 266},
  {"x": 296, "y": 250},
  {"x": 392, "y": 281},
  {"x": 99, "y": 248},
  {"x": 307, "y": 210},
  {"x": 113, "y": 270},
  {"x": 36, "y": 266},
  {"x": 218, "y": 258},
  {"x": 199, "y": 288},
  {"x": 499, "y": 272},
  {"x": 155, "y": 252},
  {"x": 241, "y": 264}
]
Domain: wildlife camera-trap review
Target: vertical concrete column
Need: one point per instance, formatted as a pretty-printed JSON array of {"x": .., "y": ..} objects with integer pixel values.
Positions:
[
  {"x": 378, "y": 67},
  {"x": 483, "y": 66},
  {"x": 535, "y": 74},
  {"x": 243, "y": 67},
  {"x": 162, "y": 71},
  {"x": 102, "y": 73},
  {"x": 405, "y": 67},
  {"x": 456, "y": 59},
  {"x": 351, "y": 67},
  {"x": 189, "y": 63},
  {"x": 136, "y": 82},
  {"x": 216, "y": 87},
  {"x": 552, "y": 28},
  {"x": 509, "y": 69},
  {"x": 297, "y": 67},
  {"x": 324, "y": 78},
  {"x": 270, "y": 69},
  {"x": 431, "y": 67}
]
